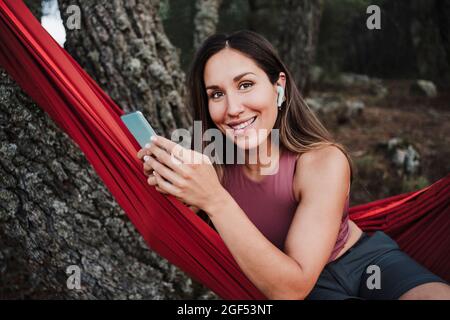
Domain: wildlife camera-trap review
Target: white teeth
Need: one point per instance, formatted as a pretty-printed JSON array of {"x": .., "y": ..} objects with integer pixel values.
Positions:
[{"x": 244, "y": 124}]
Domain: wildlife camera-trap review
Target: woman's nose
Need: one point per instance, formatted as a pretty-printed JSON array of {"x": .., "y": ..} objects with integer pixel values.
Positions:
[{"x": 235, "y": 105}]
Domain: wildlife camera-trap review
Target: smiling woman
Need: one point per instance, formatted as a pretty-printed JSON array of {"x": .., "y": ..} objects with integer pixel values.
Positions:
[
  {"x": 246, "y": 101},
  {"x": 290, "y": 231}
]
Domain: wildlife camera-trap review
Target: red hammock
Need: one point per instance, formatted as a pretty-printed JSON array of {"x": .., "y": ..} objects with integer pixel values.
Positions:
[{"x": 418, "y": 221}]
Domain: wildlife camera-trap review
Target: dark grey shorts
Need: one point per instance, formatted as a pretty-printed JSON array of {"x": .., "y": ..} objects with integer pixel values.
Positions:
[{"x": 373, "y": 268}]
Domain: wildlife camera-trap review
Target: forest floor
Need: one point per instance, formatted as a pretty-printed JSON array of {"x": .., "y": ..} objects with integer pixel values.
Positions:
[{"x": 422, "y": 122}]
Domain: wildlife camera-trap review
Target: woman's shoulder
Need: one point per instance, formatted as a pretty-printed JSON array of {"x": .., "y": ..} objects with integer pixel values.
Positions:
[
  {"x": 319, "y": 166},
  {"x": 324, "y": 156}
]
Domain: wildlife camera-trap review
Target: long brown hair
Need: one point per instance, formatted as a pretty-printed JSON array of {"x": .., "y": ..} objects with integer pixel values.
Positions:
[{"x": 300, "y": 130}]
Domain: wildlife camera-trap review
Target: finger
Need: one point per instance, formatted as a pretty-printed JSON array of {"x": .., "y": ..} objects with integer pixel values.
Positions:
[
  {"x": 147, "y": 166},
  {"x": 148, "y": 173},
  {"x": 160, "y": 190},
  {"x": 165, "y": 172},
  {"x": 152, "y": 180},
  {"x": 174, "y": 149},
  {"x": 141, "y": 153},
  {"x": 186, "y": 156},
  {"x": 166, "y": 186},
  {"x": 168, "y": 160},
  {"x": 146, "y": 151}
]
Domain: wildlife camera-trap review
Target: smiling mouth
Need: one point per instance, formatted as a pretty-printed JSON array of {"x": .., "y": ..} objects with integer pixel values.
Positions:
[{"x": 242, "y": 126}]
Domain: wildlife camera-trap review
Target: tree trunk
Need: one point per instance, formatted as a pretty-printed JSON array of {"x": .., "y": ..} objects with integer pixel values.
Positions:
[
  {"x": 54, "y": 210},
  {"x": 413, "y": 42},
  {"x": 429, "y": 33},
  {"x": 122, "y": 45},
  {"x": 206, "y": 19},
  {"x": 443, "y": 12},
  {"x": 293, "y": 28}
]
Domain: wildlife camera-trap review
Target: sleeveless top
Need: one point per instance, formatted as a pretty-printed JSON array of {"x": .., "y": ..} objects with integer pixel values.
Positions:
[{"x": 270, "y": 203}]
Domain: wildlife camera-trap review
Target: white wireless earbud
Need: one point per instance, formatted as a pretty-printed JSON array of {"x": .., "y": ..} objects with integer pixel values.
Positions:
[{"x": 280, "y": 91}]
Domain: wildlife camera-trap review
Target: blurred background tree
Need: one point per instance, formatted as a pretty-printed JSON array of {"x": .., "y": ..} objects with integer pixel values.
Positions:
[
  {"x": 413, "y": 41},
  {"x": 368, "y": 86}
]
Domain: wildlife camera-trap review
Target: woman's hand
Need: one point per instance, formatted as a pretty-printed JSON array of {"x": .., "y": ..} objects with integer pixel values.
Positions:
[{"x": 186, "y": 174}]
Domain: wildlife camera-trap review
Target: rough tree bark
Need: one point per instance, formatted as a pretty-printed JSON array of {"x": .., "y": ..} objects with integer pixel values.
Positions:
[
  {"x": 122, "y": 45},
  {"x": 56, "y": 212},
  {"x": 293, "y": 28},
  {"x": 206, "y": 19}
]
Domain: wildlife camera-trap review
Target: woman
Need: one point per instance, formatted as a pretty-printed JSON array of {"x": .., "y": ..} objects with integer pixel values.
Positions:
[{"x": 288, "y": 229}]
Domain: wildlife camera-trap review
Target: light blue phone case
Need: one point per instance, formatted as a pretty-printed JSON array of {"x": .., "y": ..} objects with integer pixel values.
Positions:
[{"x": 139, "y": 127}]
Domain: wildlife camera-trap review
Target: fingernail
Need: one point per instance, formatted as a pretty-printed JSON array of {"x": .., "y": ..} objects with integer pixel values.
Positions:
[
  {"x": 148, "y": 145},
  {"x": 146, "y": 158},
  {"x": 153, "y": 138}
]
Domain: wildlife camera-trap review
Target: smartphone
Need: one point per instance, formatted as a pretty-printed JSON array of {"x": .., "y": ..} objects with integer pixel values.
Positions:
[{"x": 139, "y": 127}]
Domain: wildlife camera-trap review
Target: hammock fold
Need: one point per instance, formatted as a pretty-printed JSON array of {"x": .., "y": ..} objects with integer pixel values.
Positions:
[{"x": 419, "y": 221}]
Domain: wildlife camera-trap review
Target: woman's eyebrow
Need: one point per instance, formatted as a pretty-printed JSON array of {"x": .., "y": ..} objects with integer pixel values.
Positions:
[{"x": 239, "y": 76}]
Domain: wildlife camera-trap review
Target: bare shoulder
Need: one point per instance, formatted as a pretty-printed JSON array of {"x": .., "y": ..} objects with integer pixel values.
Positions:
[
  {"x": 321, "y": 166},
  {"x": 326, "y": 156}
]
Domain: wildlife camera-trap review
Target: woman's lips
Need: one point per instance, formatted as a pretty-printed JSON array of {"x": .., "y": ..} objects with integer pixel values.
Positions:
[{"x": 241, "y": 131}]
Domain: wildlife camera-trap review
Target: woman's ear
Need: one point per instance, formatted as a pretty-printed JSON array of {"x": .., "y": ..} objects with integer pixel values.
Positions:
[{"x": 282, "y": 80}]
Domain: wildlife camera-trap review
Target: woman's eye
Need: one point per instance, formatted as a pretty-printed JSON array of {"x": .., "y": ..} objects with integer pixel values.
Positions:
[
  {"x": 245, "y": 84},
  {"x": 248, "y": 84},
  {"x": 213, "y": 95}
]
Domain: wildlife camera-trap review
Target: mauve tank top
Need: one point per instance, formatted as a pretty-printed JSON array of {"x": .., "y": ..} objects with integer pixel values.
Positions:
[{"x": 270, "y": 203}]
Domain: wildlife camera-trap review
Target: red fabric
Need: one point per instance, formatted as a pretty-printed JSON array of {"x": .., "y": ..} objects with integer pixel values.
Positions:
[
  {"x": 76, "y": 103},
  {"x": 419, "y": 220}
]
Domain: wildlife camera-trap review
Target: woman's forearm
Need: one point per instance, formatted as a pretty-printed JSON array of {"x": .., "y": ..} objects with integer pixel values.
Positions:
[{"x": 274, "y": 273}]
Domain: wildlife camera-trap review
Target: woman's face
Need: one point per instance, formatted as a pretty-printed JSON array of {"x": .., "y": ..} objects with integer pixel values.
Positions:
[{"x": 241, "y": 99}]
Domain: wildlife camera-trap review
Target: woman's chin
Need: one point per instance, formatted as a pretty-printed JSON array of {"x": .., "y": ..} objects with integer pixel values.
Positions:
[
  {"x": 248, "y": 140},
  {"x": 248, "y": 143}
]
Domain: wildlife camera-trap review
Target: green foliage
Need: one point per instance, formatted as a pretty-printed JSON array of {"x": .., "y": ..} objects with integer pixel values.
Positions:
[
  {"x": 414, "y": 183},
  {"x": 164, "y": 9},
  {"x": 178, "y": 20},
  {"x": 234, "y": 16},
  {"x": 337, "y": 24}
]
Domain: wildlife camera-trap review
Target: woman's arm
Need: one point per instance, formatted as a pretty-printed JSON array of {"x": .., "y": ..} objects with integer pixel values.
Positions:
[
  {"x": 275, "y": 274},
  {"x": 323, "y": 178}
]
